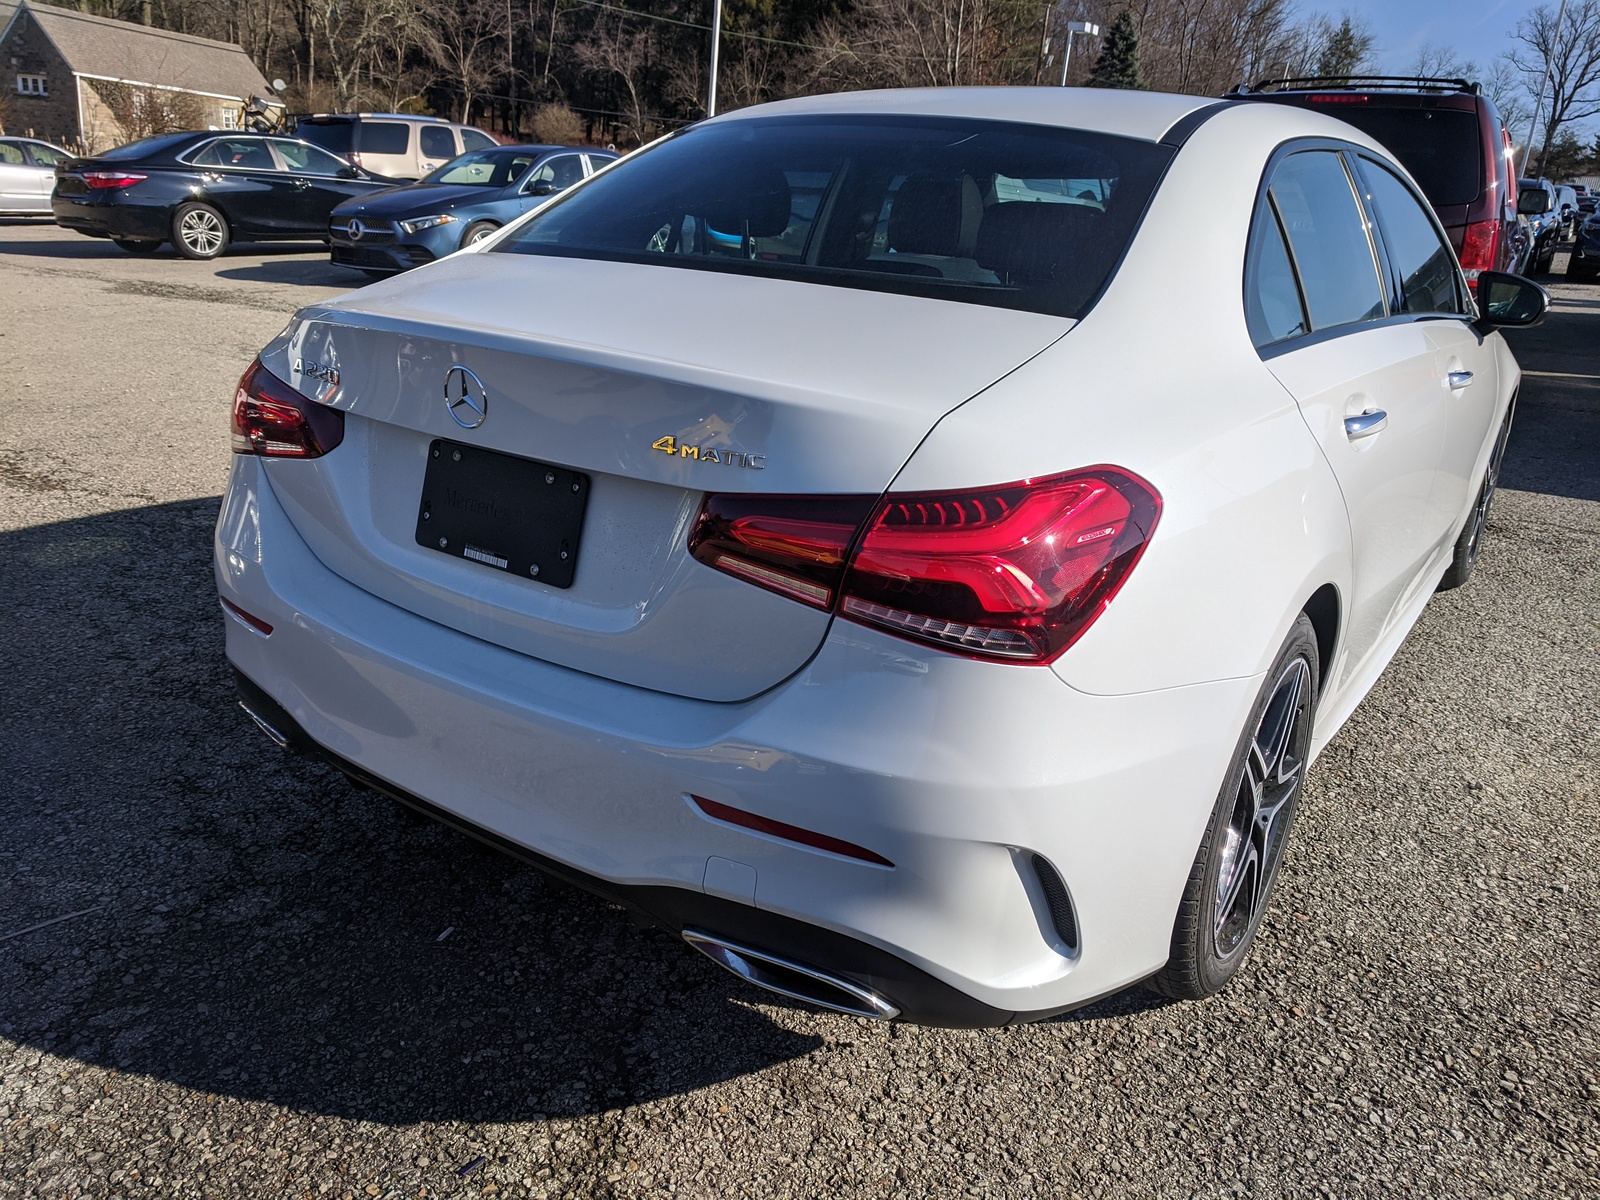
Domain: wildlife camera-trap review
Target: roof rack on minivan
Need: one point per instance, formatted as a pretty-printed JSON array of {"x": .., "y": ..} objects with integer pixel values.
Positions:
[{"x": 1365, "y": 83}]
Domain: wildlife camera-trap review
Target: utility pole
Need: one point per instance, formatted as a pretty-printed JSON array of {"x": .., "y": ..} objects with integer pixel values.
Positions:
[
  {"x": 1538, "y": 106},
  {"x": 716, "y": 50},
  {"x": 1092, "y": 30}
]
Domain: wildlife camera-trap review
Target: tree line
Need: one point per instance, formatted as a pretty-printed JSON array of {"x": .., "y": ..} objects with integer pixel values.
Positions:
[{"x": 624, "y": 71}]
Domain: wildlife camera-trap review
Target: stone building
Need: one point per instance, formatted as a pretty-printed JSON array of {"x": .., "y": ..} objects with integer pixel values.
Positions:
[{"x": 91, "y": 83}]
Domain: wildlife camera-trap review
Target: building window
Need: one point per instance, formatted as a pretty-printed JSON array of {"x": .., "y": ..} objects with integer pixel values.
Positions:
[
  {"x": 230, "y": 119},
  {"x": 32, "y": 85}
]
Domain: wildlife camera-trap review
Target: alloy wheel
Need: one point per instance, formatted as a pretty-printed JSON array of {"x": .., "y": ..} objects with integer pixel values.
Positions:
[
  {"x": 1491, "y": 480},
  {"x": 201, "y": 231},
  {"x": 1268, "y": 786}
]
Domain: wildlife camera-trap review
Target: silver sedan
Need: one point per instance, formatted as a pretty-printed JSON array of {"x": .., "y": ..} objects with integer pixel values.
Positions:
[{"x": 27, "y": 176}]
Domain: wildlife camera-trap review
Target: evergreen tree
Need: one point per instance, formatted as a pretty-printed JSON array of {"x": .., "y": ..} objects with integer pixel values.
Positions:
[
  {"x": 1118, "y": 64},
  {"x": 1345, "y": 50}
]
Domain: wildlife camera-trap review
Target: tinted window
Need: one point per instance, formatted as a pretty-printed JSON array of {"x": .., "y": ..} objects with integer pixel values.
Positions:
[
  {"x": 45, "y": 156},
  {"x": 968, "y": 210},
  {"x": 333, "y": 136},
  {"x": 471, "y": 139},
  {"x": 562, "y": 171},
  {"x": 1328, "y": 236},
  {"x": 1272, "y": 298},
  {"x": 243, "y": 154},
  {"x": 308, "y": 159},
  {"x": 485, "y": 168},
  {"x": 11, "y": 154},
  {"x": 1441, "y": 147},
  {"x": 437, "y": 142},
  {"x": 146, "y": 146},
  {"x": 1420, "y": 256},
  {"x": 386, "y": 137}
]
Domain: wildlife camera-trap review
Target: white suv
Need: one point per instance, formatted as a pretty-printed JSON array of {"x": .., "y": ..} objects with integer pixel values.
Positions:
[{"x": 392, "y": 144}]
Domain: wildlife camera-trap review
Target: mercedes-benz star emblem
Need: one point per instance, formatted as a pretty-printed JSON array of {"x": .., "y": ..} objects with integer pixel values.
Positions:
[
  {"x": 465, "y": 398},
  {"x": 355, "y": 229}
]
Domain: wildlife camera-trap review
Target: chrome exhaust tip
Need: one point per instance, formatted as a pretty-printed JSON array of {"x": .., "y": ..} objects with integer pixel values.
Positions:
[
  {"x": 791, "y": 979},
  {"x": 266, "y": 726}
]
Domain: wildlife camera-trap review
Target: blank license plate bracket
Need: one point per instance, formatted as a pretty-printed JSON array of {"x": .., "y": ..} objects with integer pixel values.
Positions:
[{"x": 508, "y": 514}]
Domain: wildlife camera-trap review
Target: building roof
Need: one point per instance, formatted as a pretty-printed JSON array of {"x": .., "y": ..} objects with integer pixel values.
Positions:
[{"x": 123, "y": 51}]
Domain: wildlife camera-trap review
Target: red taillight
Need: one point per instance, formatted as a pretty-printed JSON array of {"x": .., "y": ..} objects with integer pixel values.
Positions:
[
  {"x": 1480, "y": 243},
  {"x": 112, "y": 179},
  {"x": 1016, "y": 572},
  {"x": 792, "y": 545},
  {"x": 272, "y": 419}
]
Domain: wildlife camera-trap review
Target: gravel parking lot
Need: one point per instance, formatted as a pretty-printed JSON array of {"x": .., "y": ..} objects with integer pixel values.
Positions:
[{"x": 225, "y": 972}]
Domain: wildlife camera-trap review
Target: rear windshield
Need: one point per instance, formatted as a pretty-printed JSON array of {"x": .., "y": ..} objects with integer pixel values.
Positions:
[
  {"x": 333, "y": 136},
  {"x": 147, "y": 146},
  {"x": 1441, "y": 147},
  {"x": 1015, "y": 216}
]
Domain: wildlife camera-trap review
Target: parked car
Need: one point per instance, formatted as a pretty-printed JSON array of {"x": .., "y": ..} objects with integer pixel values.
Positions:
[
  {"x": 1536, "y": 200},
  {"x": 1446, "y": 132},
  {"x": 395, "y": 145},
  {"x": 799, "y": 586},
  {"x": 202, "y": 191},
  {"x": 1585, "y": 261},
  {"x": 1566, "y": 208},
  {"x": 462, "y": 202},
  {"x": 1586, "y": 206},
  {"x": 27, "y": 173}
]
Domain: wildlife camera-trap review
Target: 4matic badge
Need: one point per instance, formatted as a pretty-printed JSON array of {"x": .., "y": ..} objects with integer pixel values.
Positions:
[{"x": 731, "y": 458}]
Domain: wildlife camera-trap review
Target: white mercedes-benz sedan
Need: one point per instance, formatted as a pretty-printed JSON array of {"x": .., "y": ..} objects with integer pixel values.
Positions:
[{"x": 912, "y": 544}]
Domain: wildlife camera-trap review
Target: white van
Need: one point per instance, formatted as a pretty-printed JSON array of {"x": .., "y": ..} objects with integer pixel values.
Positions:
[{"x": 398, "y": 145}]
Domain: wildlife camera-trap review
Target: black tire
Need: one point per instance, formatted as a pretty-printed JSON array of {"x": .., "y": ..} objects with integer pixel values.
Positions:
[
  {"x": 1231, "y": 881},
  {"x": 1470, "y": 540},
  {"x": 477, "y": 231},
  {"x": 133, "y": 247},
  {"x": 199, "y": 231}
]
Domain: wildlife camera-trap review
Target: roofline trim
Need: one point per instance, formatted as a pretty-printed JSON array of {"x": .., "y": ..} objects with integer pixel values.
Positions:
[{"x": 158, "y": 87}]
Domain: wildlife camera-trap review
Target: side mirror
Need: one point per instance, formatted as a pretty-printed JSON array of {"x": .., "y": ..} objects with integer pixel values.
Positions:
[
  {"x": 1533, "y": 202},
  {"x": 543, "y": 188},
  {"x": 1509, "y": 301},
  {"x": 349, "y": 173}
]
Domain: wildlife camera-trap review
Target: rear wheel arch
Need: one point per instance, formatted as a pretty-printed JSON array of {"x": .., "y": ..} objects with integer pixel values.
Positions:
[{"x": 1323, "y": 611}]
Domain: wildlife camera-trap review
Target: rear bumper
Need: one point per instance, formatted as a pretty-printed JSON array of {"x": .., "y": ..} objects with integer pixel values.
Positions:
[
  {"x": 957, "y": 772},
  {"x": 107, "y": 217}
]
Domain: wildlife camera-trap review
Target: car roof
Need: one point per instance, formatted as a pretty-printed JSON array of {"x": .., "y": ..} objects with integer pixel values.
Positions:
[{"x": 1145, "y": 115}]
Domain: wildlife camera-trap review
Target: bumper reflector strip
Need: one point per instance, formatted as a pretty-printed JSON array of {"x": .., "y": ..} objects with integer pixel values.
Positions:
[
  {"x": 789, "y": 833},
  {"x": 245, "y": 619}
]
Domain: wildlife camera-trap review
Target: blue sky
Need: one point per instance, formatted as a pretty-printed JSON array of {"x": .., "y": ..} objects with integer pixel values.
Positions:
[{"x": 1478, "y": 29}]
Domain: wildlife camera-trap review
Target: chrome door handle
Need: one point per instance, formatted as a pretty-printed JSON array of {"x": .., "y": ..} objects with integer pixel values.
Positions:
[
  {"x": 302, "y": 183},
  {"x": 1458, "y": 379},
  {"x": 1368, "y": 423}
]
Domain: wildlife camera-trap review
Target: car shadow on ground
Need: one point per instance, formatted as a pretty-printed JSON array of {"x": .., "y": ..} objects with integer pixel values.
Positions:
[
  {"x": 1555, "y": 437},
  {"x": 258, "y": 928},
  {"x": 321, "y": 273}
]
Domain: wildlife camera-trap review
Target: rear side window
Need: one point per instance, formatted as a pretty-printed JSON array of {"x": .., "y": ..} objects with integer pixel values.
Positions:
[
  {"x": 1441, "y": 147},
  {"x": 1421, "y": 258},
  {"x": 984, "y": 212},
  {"x": 240, "y": 154},
  {"x": 386, "y": 137},
  {"x": 438, "y": 142},
  {"x": 1273, "y": 307},
  {"x": 10, "y": 154},
  {"x": 471, "y": 139},
  {"x": 1328, "y": 239},
  {"x": 333, "y": 136},
  {"x": 308, "y": 159},
  {"x": 561, "y": 172},
  {"x": 45, "y": 156}
]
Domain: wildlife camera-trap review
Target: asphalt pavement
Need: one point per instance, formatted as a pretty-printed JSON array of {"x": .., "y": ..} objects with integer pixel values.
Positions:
[{"x": 225, "y": 972}]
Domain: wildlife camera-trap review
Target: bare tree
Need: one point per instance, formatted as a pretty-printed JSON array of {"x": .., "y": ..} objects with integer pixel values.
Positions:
[
  {"x": 1569, "y": 56},
  {"x": 1508, "y": 91},
  {"x": 620, "y": 50},
  {"x": 463, "y": 37},
  {"x": 1441, "y": 62}
]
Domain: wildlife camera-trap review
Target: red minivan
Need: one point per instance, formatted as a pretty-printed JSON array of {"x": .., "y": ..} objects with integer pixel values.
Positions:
[{"x": 1451, "y": 138}]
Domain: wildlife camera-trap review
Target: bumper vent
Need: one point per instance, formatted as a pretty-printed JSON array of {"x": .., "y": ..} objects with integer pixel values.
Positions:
[{"x": 1059, "y": 901}]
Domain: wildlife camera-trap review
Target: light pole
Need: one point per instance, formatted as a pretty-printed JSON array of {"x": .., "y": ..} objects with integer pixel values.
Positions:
[
  {"x": 1538, "y": 106},
  {"x": 1073, "y": 27},
  {"x": 716, "y": 48}
]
